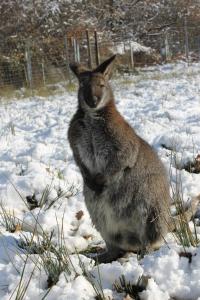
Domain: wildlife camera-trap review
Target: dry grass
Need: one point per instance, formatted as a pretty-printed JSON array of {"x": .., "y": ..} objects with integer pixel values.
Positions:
[
  {"x": 183, "y": 232},
  {"x": 133, "y": 290}
]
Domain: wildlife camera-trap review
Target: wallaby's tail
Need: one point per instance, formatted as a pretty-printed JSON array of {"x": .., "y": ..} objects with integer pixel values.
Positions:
[{"x": 184, "y": 216}]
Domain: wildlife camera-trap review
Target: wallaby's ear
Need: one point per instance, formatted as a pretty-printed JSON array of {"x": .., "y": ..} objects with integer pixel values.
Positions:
[
  {"x": 106, "y": 67},
  {"x": 77, "y": 69}
]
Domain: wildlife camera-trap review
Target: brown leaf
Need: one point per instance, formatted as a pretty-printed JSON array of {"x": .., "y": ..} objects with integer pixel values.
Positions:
[
  {"x": 197, "y": 164},
  {"x": 87, "y": 237},
  {"x": 79, "y": 214},
  {"x": 18, "y": 227},
  {"x": 198, "y": 157},
  {"x": 187, "y": 255}
]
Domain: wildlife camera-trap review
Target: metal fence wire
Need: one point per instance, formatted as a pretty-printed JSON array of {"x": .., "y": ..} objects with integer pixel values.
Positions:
[{"x": 42, "y": 61}]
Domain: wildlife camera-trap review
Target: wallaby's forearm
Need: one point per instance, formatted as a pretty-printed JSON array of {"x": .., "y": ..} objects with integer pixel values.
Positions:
[
  {"x": 120, "y": 162},
  {"x": 95, "y": 182}
]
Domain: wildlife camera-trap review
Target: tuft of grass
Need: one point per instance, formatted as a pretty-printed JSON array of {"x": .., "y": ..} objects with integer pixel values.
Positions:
[
  {"x": 9, "y": 220},
  {"x": 7, "y": 91},
  {"x": 129, "y": 288},
  {"x": 183, "y": 233},
  {"x": 9, "y": 129},
  {"x": 43, "y": 91},
  {"x": 60, "y": 174},
  {"x": 54, "y": 258},
  {"x": 71, "y": 87},
  {"x": 23, "y": 285},
  {"x": 127, "y": 81},
  {"x": 55, "y": 264},
  {"x": 45, "y": 202},
  {"x": 96, "y": 284},
  {"x": 12, "y": 128},
  {"x": 20, "y": 291},
  {"x": 41, "y": 244},
  {"x": 193, "y": 166},
  {"x": 42, "y": 202},
  {"x": 22, "y": 169},
  {"x": 53, "y": 87}
]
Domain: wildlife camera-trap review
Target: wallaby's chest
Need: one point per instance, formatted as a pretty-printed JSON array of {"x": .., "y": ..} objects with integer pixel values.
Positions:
[{"x": 94, "y": 145}]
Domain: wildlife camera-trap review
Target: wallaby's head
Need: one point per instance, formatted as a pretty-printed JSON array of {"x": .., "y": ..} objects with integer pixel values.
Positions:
[{"x": 94, "y": 90}]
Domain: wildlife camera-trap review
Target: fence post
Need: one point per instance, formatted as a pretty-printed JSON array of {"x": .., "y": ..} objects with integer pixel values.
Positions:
[
  {"x": 43, "y": 73},
  {"x": 25, "y": 73},
  {"x": 89, "y": 50},
  {"x": 199, "y": 46},
  {"x": 131, "y": 56},
  {"x": 167, "y": 49},
  {"x": 66, "y": 55},
  {"x": 77, "y": 51},
  {"x": 29, "y": 64},
  {"x": 124, "y": 47},
  {"x": 74, "y": 46},
  {"x": 186, "y": 40},
  {"x": 96, "y": 48}
]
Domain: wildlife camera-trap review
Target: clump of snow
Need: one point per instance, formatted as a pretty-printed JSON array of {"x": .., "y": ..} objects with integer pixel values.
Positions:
[
  {"x": 121, "y": 48},
  {"x": 174, "y": 274}
]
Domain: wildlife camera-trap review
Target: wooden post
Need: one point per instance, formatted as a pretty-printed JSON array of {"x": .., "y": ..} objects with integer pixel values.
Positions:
[
  {"x": 29, "y": 64},
  {"x": 131, "y": 56},
  {"x": 77, "y": 51},
  {"x": 66, "y": 55},
  {"x": 186, "y": 40},
  {"x": 71, "y": 42},
  {"x": 96, "y": 48},
  {"x": 167, "y": 50},
  {"x": 43, "y": 73},
  {"x": 199, "y": 45},
  {"x": 124, "y": 47},
  {"x": 25, "y": 72},
  {"x": 89, "y": 50}
]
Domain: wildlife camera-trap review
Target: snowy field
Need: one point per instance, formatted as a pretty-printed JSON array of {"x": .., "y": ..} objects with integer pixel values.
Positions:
[{"x": 41, "y": 193}]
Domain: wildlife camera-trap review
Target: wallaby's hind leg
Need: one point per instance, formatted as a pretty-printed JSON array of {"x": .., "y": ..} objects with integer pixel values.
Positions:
[{"x": 110, "y": 254}]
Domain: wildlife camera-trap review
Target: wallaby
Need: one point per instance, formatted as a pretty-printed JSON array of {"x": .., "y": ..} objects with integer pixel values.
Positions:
[{"x": 126, "y": 188}]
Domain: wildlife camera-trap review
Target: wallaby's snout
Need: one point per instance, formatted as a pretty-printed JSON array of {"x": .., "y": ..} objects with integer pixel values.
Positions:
[{"x": 94, "y": 90}]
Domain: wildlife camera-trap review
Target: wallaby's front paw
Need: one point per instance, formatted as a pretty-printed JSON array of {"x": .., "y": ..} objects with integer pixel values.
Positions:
[
  {"x": 96, "y": 184},
  {"x": 100, "y": 183},
  {"x": 99, "y": 189},
  {"x": 99, "y": 179}
]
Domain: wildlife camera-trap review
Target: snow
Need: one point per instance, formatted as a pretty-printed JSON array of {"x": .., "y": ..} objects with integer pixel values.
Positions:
[
  {"x": 121, "y": 48},
  {"x": 163, "y": 106}
]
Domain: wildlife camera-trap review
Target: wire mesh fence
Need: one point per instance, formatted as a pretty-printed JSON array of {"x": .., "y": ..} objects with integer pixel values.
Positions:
[{"x": 37, "y": 62}]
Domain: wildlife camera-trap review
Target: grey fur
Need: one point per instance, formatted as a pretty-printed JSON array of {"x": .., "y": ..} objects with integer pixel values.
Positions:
[{"x": 126, "y": 189}]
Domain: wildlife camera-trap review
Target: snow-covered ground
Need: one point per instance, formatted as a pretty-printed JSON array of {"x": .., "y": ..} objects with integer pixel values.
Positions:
[{"x": 163, "y": 105}]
